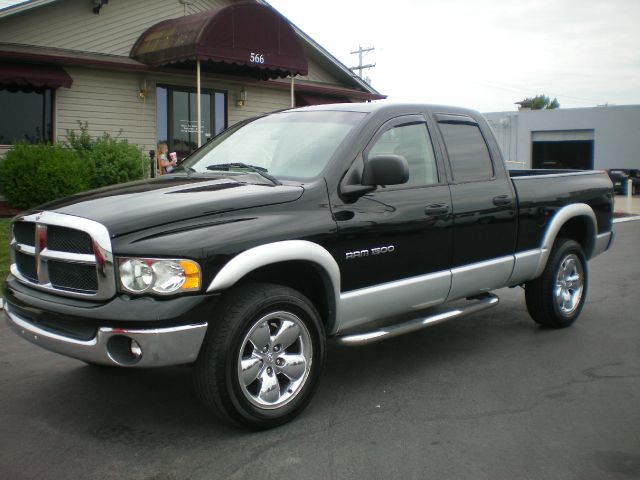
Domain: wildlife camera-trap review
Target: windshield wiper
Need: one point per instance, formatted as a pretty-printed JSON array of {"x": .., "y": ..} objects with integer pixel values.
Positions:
[{"x": 253, "y": 168}]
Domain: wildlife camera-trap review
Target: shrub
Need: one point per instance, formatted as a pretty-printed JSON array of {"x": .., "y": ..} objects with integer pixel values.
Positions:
[
  {"x": 35, "y": 174},
  {"x": 109, "y": 160}
]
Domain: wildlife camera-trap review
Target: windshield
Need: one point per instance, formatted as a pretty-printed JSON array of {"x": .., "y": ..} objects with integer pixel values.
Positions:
[{"x": 289, "y": 145}]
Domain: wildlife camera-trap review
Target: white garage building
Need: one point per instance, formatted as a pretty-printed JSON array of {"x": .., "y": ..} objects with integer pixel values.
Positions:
[{"x": 597, "y": 138}]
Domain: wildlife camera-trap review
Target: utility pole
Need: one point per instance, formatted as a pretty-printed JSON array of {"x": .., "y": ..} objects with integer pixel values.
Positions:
[{"x": 360, "y": 52}]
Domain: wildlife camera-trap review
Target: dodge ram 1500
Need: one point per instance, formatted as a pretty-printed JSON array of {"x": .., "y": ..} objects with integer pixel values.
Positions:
[{"x": 357, "y": 221}]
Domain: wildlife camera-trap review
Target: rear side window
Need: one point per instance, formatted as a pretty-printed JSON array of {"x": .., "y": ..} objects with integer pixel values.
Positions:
[{"x": 468, "y": 152}]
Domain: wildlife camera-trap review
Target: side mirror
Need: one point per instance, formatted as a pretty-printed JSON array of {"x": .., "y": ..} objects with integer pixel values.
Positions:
[{"x": 385, "y": 170}]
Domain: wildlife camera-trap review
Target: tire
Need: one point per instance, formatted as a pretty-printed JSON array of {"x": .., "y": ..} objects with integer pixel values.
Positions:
[
  {"x": 261, "y": 357},
  {"x": 555, "y": 299}
]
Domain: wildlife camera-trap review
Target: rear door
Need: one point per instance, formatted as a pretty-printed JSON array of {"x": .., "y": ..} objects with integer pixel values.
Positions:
[{"x": 484, "y": 207}]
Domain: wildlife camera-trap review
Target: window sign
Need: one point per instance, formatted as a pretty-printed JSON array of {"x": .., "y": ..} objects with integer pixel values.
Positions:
[{"x": 190, "y": 126}]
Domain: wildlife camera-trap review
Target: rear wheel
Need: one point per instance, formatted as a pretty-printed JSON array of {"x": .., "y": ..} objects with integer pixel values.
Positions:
[
  {"x": 261, "y": 357},
  {"x": 555, "y": 299}
]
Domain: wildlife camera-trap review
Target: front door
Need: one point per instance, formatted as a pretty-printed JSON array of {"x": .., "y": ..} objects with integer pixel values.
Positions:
[
  {"x": 395, "y": 244},
  {"x": 177, "y": 125}
]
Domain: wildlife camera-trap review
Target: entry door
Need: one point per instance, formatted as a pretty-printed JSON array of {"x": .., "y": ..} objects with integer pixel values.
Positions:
[
  {"x": 177, "y": 122},
  {"x": 401, "y": 231}
]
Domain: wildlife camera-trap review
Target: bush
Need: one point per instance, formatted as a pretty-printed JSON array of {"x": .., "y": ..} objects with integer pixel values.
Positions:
[
  {"x": 35, "y": 174},
  {"x": 109, "y": 160}
]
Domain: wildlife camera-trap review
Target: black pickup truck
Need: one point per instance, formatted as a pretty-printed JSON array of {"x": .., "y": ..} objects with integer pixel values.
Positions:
[{"x": 358, "y": 222}]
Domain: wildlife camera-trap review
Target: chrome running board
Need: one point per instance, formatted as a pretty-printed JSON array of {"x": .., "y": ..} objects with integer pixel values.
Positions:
[{"x": 477, "y": 304}]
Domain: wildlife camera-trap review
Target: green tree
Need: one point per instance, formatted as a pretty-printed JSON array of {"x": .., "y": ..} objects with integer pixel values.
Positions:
[{"x": 539, "y": 102}]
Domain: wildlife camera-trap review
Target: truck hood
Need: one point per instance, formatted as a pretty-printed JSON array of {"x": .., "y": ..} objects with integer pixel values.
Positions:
[{"x": 148, "y": 203}]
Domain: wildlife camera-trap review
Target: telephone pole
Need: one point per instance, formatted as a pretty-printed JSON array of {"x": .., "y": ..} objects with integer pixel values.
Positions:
[{"x": 360, "y": 52}]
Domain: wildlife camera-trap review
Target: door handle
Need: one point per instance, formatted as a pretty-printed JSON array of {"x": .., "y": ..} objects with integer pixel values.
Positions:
[
  {"x": 502, "y": 200},
  {"x": 436, "y": 209}
]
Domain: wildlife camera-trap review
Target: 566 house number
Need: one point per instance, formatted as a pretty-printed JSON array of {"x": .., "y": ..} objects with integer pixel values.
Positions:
[{"x": 256, "y": 57}]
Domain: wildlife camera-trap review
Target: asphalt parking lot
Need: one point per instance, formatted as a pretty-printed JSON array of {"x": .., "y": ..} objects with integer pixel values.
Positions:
[{"x": 490, "y": 396}]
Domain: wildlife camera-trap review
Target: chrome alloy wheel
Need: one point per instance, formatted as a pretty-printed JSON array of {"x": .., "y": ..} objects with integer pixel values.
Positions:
[
  {"x": 274, "y": 360},
  {"x": 569, "y": 284}
]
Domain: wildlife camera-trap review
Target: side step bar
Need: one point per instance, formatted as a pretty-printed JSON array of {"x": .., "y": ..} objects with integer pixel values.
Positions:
[{"x": 477, "y": 304}]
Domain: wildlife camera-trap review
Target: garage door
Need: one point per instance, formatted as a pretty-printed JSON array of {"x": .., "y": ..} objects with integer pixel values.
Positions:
[{"x": 562, "y": 149}]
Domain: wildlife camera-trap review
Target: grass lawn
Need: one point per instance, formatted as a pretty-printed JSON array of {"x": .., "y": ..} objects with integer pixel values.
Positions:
[{"x": 4, "y": 248}]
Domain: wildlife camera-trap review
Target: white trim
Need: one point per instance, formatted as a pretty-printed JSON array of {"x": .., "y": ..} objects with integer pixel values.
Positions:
[
  {"x": 277, "y": 252},
  {"x": 561, "y": 217},
  {"x": 270, "y": 253}
]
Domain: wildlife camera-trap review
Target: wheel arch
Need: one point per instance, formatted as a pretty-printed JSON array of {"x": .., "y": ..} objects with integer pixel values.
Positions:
[
  {"x": 299, "y": 264},
  {"x": 577, "y": 222}
]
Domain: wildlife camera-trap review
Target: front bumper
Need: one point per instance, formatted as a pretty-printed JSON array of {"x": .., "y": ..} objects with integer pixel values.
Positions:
[
  {"x": 123, "y": 331},
  {"x": 111, "y": 346}
]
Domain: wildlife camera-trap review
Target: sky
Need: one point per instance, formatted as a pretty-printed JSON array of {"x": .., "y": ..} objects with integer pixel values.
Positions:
[{"x": 484, "y": 54}]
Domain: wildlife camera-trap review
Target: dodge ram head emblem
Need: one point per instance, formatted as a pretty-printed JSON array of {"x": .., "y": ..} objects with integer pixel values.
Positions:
[{"x": 369, "y": 252}]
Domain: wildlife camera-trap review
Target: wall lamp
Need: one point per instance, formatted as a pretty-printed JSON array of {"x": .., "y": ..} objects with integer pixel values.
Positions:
[
  {"x": 241, "y": 98},
  {"x": 143, "y": 89}
]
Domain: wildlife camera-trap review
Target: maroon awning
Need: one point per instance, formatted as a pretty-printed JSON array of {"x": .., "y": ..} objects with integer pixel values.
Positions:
[
  {"x": 244, "y": 38},
  {"x": 308, "y": 99},
  {"x": 31, "y": 76}
]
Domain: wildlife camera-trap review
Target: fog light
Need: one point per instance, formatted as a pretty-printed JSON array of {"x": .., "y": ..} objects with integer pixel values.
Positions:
[
  {"x": 124, "y": 350},
  {"x": 136, "y": 349}
]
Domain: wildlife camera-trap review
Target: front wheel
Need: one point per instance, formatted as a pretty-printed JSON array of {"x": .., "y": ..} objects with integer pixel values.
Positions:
[
  {"x": 261, "y": 357},
  {"x": 555, "y": 299}
]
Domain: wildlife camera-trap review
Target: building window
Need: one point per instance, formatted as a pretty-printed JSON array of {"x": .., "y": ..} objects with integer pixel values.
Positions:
[
  {"x": 26, "y": 116},
  {"x": 176, "y": 117}
]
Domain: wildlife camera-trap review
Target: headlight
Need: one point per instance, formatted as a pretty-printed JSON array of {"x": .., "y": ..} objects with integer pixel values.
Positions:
[{"x": 160, "y": 276}]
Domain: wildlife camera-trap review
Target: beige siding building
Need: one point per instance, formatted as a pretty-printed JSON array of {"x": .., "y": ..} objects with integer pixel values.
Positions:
[{"x": 69, "y": 61}]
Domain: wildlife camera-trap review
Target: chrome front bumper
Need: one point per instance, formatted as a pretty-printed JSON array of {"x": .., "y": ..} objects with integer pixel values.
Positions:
[{"x": 159, "y": 347}]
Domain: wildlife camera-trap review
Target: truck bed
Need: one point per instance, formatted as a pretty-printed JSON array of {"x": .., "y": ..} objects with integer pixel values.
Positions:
[{"x": 541, "y": 192}]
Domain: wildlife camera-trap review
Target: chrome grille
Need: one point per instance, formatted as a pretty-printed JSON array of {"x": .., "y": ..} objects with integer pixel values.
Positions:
[
  {"x": 27, "y": 266},
  {"x": 73, "y": 277},
  {"x": 65, "y": 239},
  {"x": 63, "y": 254},
  {"x": 25, "y": 233}
]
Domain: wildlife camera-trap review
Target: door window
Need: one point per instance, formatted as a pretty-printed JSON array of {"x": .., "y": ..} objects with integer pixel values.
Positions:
[
  {"x": 411, "y": 141},
  {"x": 468, "y": 152}
]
